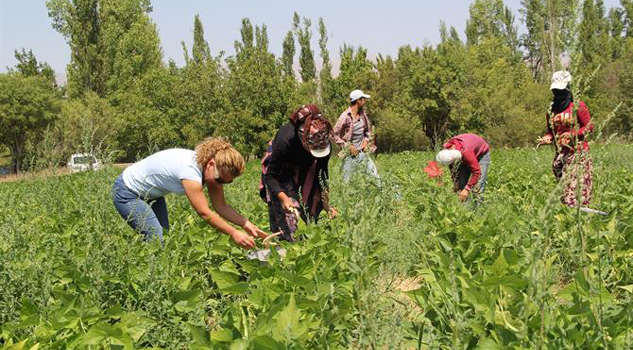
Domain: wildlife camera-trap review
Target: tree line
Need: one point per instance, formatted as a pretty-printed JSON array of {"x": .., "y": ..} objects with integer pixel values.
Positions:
[{"x": 122, "y": 101}]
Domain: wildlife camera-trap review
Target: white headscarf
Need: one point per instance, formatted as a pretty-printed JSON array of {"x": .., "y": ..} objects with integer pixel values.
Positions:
[{"x": 448, "y": 156}]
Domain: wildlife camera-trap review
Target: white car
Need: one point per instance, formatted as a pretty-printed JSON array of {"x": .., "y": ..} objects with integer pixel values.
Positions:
[{"x": 83, "y": 161}]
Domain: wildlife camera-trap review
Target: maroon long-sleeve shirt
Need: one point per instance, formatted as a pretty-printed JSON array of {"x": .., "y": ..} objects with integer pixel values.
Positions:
[
  {"x": 472, "y": 148},
  {"x": 565, "y": 122}
]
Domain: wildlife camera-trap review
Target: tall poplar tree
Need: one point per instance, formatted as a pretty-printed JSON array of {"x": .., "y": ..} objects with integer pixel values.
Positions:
[
  {"x": 78, "y": 21},
  {"x": 288, "y": 55},
  {"x": 200, "y": 49},
  {"x": 111, "y": 42},
  {"x": 593, "y": 40},
  {"x": 306, "y": 55}
]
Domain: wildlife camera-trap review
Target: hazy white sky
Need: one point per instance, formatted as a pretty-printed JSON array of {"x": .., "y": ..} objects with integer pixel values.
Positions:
[{"x": 380, "y": 26}]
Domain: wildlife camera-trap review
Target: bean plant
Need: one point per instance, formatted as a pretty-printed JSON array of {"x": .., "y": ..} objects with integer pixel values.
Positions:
[{"x": 404, "y": 266}]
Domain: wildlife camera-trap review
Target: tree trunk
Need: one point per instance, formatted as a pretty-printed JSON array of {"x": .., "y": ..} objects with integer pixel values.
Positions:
[
  {"x": 432, "y": 135},
  {"x": 17, "y": 152}
]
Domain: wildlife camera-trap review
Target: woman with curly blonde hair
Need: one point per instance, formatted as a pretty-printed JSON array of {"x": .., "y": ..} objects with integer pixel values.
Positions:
[{"x": 139, "y": 192}]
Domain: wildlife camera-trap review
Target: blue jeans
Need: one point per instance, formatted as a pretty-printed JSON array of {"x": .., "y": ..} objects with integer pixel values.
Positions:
[
  {"x": 362, "y": 162},
  {"x": 463, "y": 175},
  {"x": 147, "y": 217}
]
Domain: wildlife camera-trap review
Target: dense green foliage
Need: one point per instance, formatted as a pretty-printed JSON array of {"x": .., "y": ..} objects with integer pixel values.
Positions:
[
  {"x": 28, "y": 105},
  {"x": 489, "y": 80},
  {"x": 406, "y": 267}
]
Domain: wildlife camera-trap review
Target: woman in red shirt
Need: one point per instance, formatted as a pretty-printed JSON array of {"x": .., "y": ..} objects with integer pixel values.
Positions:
[
  {"x": 567, "y": 126},
  {"x": 468, "y": 156}
]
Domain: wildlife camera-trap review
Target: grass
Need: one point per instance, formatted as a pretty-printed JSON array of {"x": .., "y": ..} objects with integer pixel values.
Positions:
[{"x": 407, "y": 271}]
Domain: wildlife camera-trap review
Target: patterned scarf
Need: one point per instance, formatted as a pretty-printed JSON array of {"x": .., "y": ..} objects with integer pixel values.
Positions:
[{"x": 319, "y": 129}]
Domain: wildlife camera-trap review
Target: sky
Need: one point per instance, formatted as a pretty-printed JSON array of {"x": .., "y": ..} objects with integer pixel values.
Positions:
[{"x": 380, "y": 26}]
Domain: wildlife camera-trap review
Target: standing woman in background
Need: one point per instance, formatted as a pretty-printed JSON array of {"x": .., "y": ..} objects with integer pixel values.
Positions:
[
  {"x": 139, "y": 192},
  {"x": 295, "y": 172},
  {"x": 567, "y": 126}
]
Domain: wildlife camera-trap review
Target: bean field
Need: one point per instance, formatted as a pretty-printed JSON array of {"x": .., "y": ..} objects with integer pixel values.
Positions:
[{"x": 404, "y": 266}]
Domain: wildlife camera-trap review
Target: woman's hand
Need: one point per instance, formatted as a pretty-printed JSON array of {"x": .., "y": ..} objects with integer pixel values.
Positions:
[
  {"x": 332, "y": 213},
  {"x": 463, "y": 194},
  {"x": 363, "y": 147},
  {"x": 565, "y": 138},
  {"x": 545, "y": 140},
  {"x": 353, "y": 150},
  {"x": 242, "y": 239},
  {"x": 254, "y": 230},
  {"x": 287, "y": 204}
]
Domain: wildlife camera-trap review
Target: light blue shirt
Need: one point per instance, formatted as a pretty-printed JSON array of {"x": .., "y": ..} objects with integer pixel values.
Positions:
[{"x": 162, "y": 173}]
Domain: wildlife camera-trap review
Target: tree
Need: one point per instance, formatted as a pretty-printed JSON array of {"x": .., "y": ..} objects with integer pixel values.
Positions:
[
  {"x": 196, "y": 101},
  {"x": 88, "y": 125},
  {"x": 491, "y": 18},
  {"x": 593, "y": 36},
  {"x": 616, "y": 30},
  {"x": 199, "y": 102},
  {"x": 628, "y": 11},
  {"x": 326, "y": 69},
  {"x": 396, "y": 130},
  {"x": 501, "y": 99},
  {"x": 288, "y": 55},
  {"x": 131, "y": 46},
  {"x": 550, "y": 28},
  {"x": 200, "y": 49},
  {"x": 261, "y": 37},
  {"x": 624, "y": 118},
  {"x": 78, "y": 21},
  {"x": 430, "y": 80},
  {"x": 29, "y": 66},
  {"x": 533, "y": 12},
  {"x": 28, "y": 104},
  {"x": 614, "y": 85},
  {"x": 246, "y": 33},
  {"x": 111, "y": 42},
  {"x": 326, "y": 90},
  {"x": 355, "y": 72},
  {"x": 257, "y": 93},
  {"x": 306, "y": 56}
]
